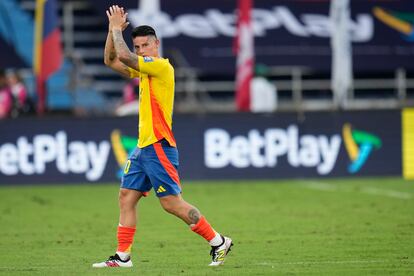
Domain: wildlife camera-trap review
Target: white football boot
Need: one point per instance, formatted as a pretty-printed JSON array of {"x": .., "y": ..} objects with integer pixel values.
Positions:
[
  {"x": 219, "y": 253},
  {"x": 114, "y": 261}
]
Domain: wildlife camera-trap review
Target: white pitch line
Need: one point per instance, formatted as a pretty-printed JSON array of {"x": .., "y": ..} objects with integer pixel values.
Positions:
[
  {"x": 320, "y": 186},
  {"x": 324, "y": 262},
  {"x": 384, "y": 192},
  {"x": 323, "y": 186}
]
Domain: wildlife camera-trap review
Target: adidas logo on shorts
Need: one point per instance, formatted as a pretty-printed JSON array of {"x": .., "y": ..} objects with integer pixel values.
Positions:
[{"x": 161, "y": 189}]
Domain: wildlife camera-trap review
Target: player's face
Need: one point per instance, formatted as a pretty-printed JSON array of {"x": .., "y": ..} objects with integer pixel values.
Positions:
[{"x": 146, "y": 46}]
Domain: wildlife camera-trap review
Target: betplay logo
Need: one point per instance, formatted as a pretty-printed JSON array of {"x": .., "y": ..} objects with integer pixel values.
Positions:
[
  {"x": 33, "y": 157},
  {"x": 309, "y": 151},
  {"x": 402, "y": 22},
  {"x": 261, "y": 151},
  {"x": 359, "y": 145},
  {"x": 214, "y": 23}
]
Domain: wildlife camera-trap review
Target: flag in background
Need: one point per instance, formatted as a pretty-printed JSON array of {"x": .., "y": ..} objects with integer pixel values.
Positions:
[
  {"x": 245, "y": 55},
  {"x": 47, "y": 48}
]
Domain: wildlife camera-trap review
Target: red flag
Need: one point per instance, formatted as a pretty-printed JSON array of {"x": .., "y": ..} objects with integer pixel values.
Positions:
[
  {"x": 48, "y": 52},
  {"x": 245, "y": 55}
]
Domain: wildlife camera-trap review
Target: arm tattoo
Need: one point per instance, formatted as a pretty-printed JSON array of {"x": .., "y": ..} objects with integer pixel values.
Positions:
[
  {"x": 194, "y": 215},
  {"x": 124, "y": 54},
  {"x": 126, "y": 70},
  {"x": 112, "y": 55},
  {"x": 109, "y": 52}
]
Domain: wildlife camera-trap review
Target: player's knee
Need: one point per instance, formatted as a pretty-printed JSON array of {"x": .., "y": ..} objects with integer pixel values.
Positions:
[
  {"x": 169, "y": 205},
  {"x": 125, "y": 199}
]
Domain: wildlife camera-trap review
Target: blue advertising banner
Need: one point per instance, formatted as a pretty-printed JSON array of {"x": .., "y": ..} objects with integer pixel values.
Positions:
[
  {"x": 221, "y": 146},
  {"x": 284, "y": 146},
  {"x": 287, "y": 32}
]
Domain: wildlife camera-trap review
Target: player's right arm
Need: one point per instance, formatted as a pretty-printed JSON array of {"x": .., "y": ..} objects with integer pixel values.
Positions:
[{"x": 111, "y": 59}]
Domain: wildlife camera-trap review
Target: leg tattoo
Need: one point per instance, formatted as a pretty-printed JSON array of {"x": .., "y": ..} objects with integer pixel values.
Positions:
[{"x": 194, "y": 215}]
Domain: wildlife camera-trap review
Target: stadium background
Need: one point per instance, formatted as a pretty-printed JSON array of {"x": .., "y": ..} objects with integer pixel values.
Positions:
[{"x": 87, "y": 130}]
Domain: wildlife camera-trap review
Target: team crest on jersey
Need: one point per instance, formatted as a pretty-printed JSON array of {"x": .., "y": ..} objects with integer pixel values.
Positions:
[{"x": 148, "y": 59}]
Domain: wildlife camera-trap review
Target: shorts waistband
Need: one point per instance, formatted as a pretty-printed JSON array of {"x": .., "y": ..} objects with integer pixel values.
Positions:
[{"x": 163, "y": 142}]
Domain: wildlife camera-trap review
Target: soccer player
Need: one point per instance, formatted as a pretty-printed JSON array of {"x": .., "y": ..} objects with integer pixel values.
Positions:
[{"x": 153, "y": 164}]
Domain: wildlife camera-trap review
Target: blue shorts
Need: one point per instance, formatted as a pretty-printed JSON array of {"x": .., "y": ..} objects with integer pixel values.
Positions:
[{"x": 154, "y": 166}]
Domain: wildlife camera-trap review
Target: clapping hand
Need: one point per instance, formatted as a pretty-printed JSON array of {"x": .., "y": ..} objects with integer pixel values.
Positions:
[{"x": 117, "y": 18}]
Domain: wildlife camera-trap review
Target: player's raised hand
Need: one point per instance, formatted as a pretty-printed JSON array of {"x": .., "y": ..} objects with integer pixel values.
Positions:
[
  {"x": 126, "y": 24},
  {"x": 117, "y": 17}
]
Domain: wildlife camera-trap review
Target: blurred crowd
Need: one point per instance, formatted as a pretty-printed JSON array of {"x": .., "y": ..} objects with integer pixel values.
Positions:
[{"x": 14, "y": 98}]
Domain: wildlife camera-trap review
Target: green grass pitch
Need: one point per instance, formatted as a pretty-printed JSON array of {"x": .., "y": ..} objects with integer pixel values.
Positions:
[{"x": 296, "y": 227}]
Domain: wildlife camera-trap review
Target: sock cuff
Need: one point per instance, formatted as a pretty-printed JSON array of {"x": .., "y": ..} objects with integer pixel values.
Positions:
[{"x": 126, "y": 229}]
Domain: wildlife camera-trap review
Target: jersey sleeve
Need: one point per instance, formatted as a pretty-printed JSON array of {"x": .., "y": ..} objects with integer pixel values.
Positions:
[
  {"x": 151, "y": 65},
  {"x": 133, "y": 73}
]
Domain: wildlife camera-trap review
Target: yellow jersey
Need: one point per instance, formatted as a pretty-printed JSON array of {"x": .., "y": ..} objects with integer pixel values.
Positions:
[{"x": 156, "y": 100}]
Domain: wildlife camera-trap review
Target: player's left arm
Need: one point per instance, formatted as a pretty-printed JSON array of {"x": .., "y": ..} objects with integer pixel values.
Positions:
[
  {"x": 127, "y": 57},
  {"x": 117, "y": 18}
]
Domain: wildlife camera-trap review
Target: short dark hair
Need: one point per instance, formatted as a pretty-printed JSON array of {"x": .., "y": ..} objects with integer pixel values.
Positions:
[{"x": 143, "y": 30}]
